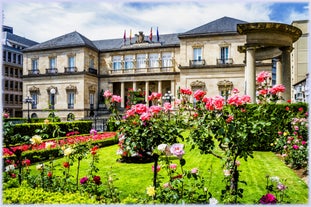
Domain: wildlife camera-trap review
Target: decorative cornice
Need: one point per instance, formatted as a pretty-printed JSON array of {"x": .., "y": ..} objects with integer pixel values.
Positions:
[
  {"x": 245, "y": 29},
  {"x": 34, "y": 89},
  {"x": 71, "y": 88},
  {"x": 197, "y": 83}
]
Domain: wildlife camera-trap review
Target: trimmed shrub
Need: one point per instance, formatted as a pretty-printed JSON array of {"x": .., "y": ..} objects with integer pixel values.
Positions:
[
  {"x": 28, "y": 129},
  {"x": 27, "y": 195}
]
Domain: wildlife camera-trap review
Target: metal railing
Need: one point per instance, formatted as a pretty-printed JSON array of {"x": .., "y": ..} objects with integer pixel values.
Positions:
[
  {"x": 197, "y": 62},
  {"x": 224, "y": 61},
  {"x": 71, "y": 69},
  {"x": 34, "y": 72},
  {"x": 51, "y": 70}
]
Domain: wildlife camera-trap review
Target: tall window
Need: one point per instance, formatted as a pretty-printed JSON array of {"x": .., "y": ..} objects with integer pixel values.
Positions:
[
  {"x": 34, "y": 97},
  {"x": 197, "y": 54},
  {"x": 52, "y": 65},
  {"x": 91, "y": 63},
  {"x": 92, "y": 99},
  {"x": 128, "y": 62},
  {"x": 116, "y": 62},
  {"x": 224, "y": 54},
  {"x": 71, "y": 62},
  {"x": 52, "y": 62},
  {"x": 141, "y": 61},
  {"x": 153, "y": 60},
  {"x": 34, "y": 66},
  {"x": 166, "y": 59},
  {"x": 71, "y": 99}
]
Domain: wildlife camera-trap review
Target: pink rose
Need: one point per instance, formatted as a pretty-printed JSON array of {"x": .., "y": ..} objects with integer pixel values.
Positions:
[
  {"x": 167, "y": 106},
  {"x": 295, "y": 147},
  {"x": 177, "y": 150},
  {"x": 194, "y": 170},
  {"x": 185, "y": 91},
  {"x": 173, "y": 166},
  {"x": 145, "y": 116},
  {"x": 140, "y": 108},
  {"x": 277, "y": 88},
  {"x": 107, "y": 94},
  {"x": 116, "y": 98},
  {"x": 199, "y": 94},
  {"x": 262, "y": 76},
  {"x": 218, "y": 102},
  {"x": 158, "y": 168},
  {"x": 155, "y": 109}
]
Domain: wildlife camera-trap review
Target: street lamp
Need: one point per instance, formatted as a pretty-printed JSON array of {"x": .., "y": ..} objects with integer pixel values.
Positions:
[
  {"x": 52, "y": 91},
  {"x": 28, "y": 100},
  {"x": 168, "y": 97}
]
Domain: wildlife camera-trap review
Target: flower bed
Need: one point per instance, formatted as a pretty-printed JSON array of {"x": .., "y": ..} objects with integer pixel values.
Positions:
[{"x": 51, "y": 144}]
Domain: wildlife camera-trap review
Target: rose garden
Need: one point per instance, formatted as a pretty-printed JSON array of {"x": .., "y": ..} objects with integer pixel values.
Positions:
[{"x": 218, "y": 150}]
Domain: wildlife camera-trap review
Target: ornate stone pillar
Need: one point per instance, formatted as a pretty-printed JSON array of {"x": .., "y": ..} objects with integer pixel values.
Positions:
[
  {"x": 279, "y": 76},
  {"x": 160, "y": 87},
  {"x": 173, "y": 88},
  {"x": 250, "y": 74},
  {"x": 146, "y": 92},
  {"x": 122, "y": 94},
  {"x": 286, "y": 72}
]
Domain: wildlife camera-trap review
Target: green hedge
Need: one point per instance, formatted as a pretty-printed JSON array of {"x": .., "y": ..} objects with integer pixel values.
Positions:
[
  {"x": 27, "y": 195},
  {"x": 280, "y": 118},
  {"x": 28, "y": 129},
  {"x": 42, "y": 155},
  {"x": 32, "y": 120}
]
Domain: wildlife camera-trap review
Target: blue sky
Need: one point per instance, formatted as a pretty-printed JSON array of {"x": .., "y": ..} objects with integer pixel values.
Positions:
[{"x": 41, "y": 20}]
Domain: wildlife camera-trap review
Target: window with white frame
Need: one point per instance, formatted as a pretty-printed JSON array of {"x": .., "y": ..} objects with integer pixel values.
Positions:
[
  {"x": 141, "y": 61},
  {"x": 116, "y": 62},
  {"x": 166, "y": 59},
  {"x": 128, "y": 62},
  {"x": 197, "y": 54},
  {"x": 71, "y": 99},
  {"x": 91, "y": 63},
  {"x": 153, "y": 60},
  {"x": 224, "y": 55},
  {"x": 34, "y": 96},
  {"x": 71, "y": 62},
  {"x": 52, "y": 62},
  {"x": 34, "y": 65}
]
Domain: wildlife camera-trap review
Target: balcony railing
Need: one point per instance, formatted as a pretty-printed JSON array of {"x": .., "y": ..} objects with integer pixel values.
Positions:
[
  {"x": 51, "y": 71},
  {"x": 93, "y": 71},
  {"x": 71, "y": 69},
  {"x": 142, "y": 70},
  {"x": 224, "y": 61},
  {"x": 34, "y": 72},
  {"x": 70, "y": 105},
  {"x": 197, "y": 62}
]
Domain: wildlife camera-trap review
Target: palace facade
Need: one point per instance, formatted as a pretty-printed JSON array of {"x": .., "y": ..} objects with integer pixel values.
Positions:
[{"x": 68, "y": 74}]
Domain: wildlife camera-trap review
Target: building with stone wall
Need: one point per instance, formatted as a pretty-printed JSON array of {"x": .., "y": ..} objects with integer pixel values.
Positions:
[
  {"x": 12, "y": 70},
  {"x": 299, "y": 63},
  {"x": 68, "y": 74}
]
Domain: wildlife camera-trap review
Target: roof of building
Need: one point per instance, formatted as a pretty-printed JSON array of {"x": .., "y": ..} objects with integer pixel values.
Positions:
[
  {"x": 118, "y": 44},
  {"x": 19, "y": 39},
  {"x": 219, "y": 26},
  {"x": 73, "y": 39}
]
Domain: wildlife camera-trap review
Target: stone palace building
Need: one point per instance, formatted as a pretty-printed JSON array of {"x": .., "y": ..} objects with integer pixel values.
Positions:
[{"x": 68, "y": 74}]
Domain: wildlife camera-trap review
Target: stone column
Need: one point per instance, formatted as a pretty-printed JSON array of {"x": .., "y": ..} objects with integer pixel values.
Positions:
[
  {"x": 147, "y": 92},
  {"x": 173, "y": 88},
  {"x": 110, "y": 87},
  {"x": 122, "y": 95},
  {"x": 286, "y": 72},
  {"x": 250, "y": 74},
  {"x": 160, "y": 87},
  {"x": 279, "y": 77},
  {"x": 134, "y": 86}
]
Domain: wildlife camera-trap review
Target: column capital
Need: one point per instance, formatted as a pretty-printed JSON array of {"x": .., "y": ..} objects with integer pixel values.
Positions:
[{"x": 286, "y": 49}]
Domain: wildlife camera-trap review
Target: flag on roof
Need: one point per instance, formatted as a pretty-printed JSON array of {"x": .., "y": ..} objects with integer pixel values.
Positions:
[
  {"x": 158, "y": 37},
  {"x": 150, "y": 37},
  {"x": 124, "y": 37}
]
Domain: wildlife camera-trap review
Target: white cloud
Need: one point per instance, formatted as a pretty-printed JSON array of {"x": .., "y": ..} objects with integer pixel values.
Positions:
[{"x": 41, "y": 21}]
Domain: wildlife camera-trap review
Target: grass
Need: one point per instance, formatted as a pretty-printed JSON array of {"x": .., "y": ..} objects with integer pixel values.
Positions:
[{"x": 134, "y": 178}]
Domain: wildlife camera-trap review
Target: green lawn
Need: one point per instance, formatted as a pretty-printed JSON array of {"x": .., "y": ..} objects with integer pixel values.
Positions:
[{"x": 134, "y": 178}]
